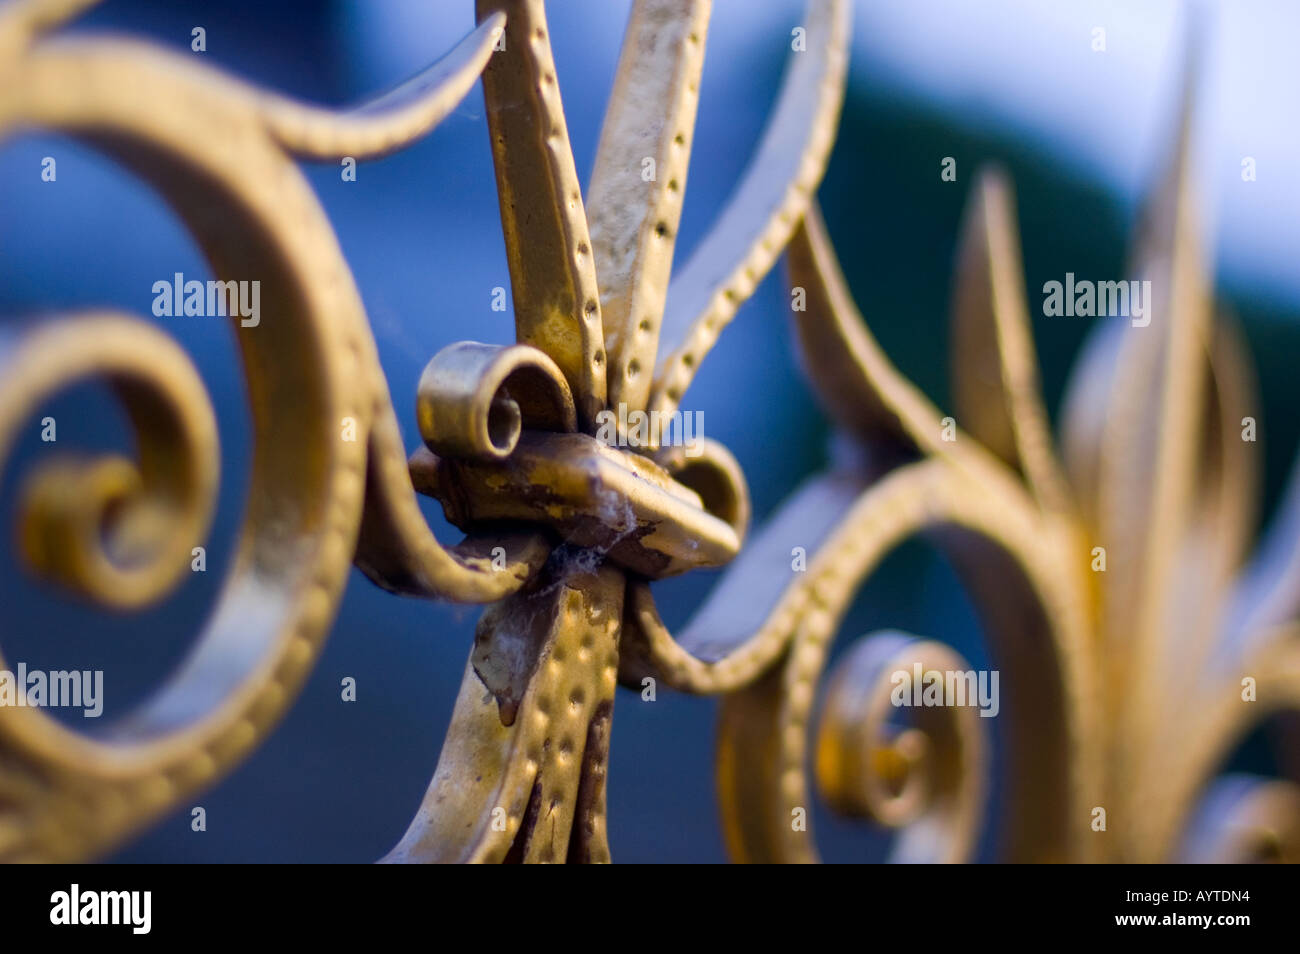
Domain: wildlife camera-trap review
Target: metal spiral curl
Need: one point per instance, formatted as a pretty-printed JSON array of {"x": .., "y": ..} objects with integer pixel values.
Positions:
[
  {"x": 122, "y": 532},
  {"x": 923, "y": 776},
  {"x": 113, "y": 530},
  {"x": 564, "y": 534},
  {"x": 331, "y": 481}
]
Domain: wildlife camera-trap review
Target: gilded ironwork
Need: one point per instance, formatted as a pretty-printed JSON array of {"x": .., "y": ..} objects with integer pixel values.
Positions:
[{"x": 564, "y": 533}]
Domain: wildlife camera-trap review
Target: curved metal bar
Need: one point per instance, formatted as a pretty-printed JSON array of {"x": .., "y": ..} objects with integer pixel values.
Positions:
[
  {"x": 318, "y": 423},
  {"x": 390, "y": 121},
  {"x": 1167, "y": 643},
  {"x": 295, "y": 545},
  {"x": 474, "y": 399},
  {"x": 928, "y": 780},
  {"x": 994, "y": 368},
  {"x": 1018, "y": 576},
  {"x": 765, "y": 208},
  {"x": 118, "y": 532}
]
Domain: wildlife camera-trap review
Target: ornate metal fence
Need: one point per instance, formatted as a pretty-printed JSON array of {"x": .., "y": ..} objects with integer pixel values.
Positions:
[{"x": 565, "y": 529}]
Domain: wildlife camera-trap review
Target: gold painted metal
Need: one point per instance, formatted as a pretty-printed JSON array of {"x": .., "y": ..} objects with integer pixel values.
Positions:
[
  {"x": 557, "y": 304},
  {"x": 648, "y": 130},
  {"x": 866, "y": 766},
  {"x": 117, "y": 532},
  {"x": 474, "y": 399},
  {"x": 623, "y": 505},
  {"x": 1120, "y": 690},
  {"x": 777, "y": 187}
]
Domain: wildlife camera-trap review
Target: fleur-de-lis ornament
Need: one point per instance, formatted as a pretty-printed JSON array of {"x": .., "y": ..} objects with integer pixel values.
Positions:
[
  {"x": 1121, "y": 691},
  {"x": 522, "y": 773},
  {"x": 557, "y": 522}
]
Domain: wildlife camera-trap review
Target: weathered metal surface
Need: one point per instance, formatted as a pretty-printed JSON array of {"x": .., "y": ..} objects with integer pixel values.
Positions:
[
  {"x": 639, "y": 182},
  {"x": 1121, "y": 690},
  {"x": 522, "y": 773},
  {"x": 625, "y": 507},
  {"x": 557, "y": 304}
]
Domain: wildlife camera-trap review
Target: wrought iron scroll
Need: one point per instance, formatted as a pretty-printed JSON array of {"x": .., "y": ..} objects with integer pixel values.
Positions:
[{"x": 508, "y": 434}]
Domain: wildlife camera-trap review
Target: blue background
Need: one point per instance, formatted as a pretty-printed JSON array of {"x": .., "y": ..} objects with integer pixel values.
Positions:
[{"x": 340, "y": 782}]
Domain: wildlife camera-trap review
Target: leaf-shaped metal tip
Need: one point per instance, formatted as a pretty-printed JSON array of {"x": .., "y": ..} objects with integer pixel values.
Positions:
[
  {"x": 761, "y": 215},
  {"x": 390, "y": 121},
  {"x": 548, "y": 247},
  {"x": 25, "y": 19},
  {"x": 635, "y": 200},
  {"x": 1167, "y": 213},
  {"x": 994, "y": 367}
]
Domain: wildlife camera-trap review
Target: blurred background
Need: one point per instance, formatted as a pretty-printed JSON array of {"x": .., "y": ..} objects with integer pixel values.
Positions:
[{"x": 1082, "y": 134}]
